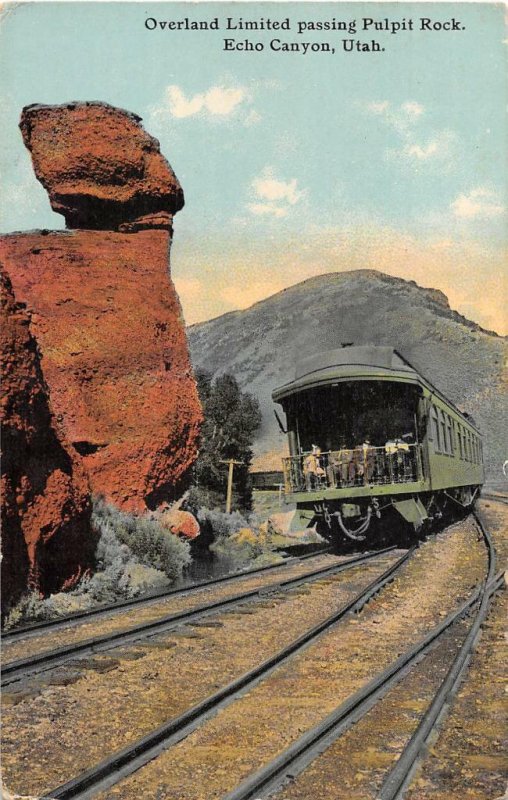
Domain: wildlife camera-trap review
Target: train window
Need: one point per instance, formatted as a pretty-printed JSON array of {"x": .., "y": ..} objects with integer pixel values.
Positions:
[
  {"x": 443, "y": 431},
  {"x": 461, "y": 449},
  {"x": 450, "y": 434},
  {"x": 468, "y": 446},
  {"x": 435, "y": 430}
]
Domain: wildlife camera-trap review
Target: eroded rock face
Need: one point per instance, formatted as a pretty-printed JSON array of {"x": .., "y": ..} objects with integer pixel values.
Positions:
[
  {"x": 47, "y": 544},
  {"x": 104, "y": 310},
  {"x": 102, "y": 171},
  {"x": 108, "y": 321}
]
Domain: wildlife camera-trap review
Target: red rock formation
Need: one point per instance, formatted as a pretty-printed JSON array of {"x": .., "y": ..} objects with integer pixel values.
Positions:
[
  {"x": 100, "y": 168},
  {"x": 104, "y": 310},
  {"x": 46, "y": 542},
  {"x": 180, "y": 523}
]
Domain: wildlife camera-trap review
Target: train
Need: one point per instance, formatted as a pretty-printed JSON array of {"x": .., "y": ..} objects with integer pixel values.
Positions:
[{"x": 372, "y": 443}]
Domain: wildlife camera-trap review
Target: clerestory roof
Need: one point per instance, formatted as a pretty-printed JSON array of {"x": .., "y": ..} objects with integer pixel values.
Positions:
[{"x": 348, "y": 363}]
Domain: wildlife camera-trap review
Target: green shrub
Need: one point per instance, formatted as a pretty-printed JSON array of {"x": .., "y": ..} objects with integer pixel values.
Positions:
[
  {"x": 221, "y": 524},
  {"x": 237, "y": 540},
  {"x": 29, "y": 608},
  {"x": 134, "y": 555},
  {"x": 150, "y": 543}
]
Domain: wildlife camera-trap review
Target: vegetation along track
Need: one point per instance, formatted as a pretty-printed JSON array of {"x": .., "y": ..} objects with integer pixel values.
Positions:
[
  {"x": 302, "y": 752},
  {"x": 21, "y": 668},
  {"x": 130, "y": 758},
  {"x": 99, "y": 612}
]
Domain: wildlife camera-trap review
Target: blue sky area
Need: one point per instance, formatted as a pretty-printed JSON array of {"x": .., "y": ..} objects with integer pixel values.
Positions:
[{"x": 292, "y": 165}]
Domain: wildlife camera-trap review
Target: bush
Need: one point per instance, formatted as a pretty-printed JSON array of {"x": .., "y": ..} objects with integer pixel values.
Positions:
[
  {"x": 236, "y": 540},
  {"x": 29, "y": 608},
  {"x": 222, "y": 524},
  {"x": 145, "y": 538},
  {"x": 134, "y": 555}
]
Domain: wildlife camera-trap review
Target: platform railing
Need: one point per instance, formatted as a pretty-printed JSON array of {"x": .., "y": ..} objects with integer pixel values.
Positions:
[{"x": 362, "y": 466}]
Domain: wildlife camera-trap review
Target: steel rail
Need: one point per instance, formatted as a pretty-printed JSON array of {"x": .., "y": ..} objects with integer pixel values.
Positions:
[
  {"x": 131, "y": 758},
  {"x": 147, "y": 599},
  {"x": 304, "y": 750},
  {"x": 23, "y": 667},
  {"x": 400, "y": 775},
  {"x": 498, "y": 498}
]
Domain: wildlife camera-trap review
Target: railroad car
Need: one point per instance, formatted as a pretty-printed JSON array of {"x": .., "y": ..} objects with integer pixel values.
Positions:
[{"x": 372, "y": 441}]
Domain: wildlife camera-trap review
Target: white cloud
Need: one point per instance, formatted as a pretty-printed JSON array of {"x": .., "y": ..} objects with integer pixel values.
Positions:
[
  {"x": 440, "y": 146},
  {"x": 218, "y": 101},
  {"x": 401, "y": 118},
  {"x": 378, "y": 108},
  {"x": 480, "y": 203},
  {"x": 404, "y": 119},
  {"x": 260, "y": 209},
  {"x": 274, "y": 197},
  {"x": 252, "y": 118},
  {"x": 269, "y": 188},
  {"x": 412, "y": 109}
]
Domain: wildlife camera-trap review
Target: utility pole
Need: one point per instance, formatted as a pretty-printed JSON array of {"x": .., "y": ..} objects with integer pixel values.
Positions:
[{"x": 229, "y": 495}]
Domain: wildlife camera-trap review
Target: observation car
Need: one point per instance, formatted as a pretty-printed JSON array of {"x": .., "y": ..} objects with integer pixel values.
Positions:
[{"x": 371, "y": 440}]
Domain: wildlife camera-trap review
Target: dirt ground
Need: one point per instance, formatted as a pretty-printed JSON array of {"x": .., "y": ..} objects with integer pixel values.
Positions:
[
  {"x": 122, "y": 694},
  {"x": 467, "y": 758},
  {"x": 253, "y": 729},
  {"x": 112, "y": 699}
]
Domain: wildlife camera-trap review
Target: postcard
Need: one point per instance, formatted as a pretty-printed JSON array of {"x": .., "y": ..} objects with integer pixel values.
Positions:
[{"x": 254, "y": 440}]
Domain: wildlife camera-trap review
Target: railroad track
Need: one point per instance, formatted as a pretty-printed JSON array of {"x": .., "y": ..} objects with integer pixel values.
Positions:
[
  {"x": 498, "y": 498},
  {"x": 139, "y": 602},
  {"x": 131, "y": 758},
  {"x": 303, "y": 751},
  {"x": 25, "y": 667}
]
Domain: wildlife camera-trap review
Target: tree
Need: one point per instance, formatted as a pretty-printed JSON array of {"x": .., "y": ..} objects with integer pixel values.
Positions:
[{"x": 231, "y": 418}]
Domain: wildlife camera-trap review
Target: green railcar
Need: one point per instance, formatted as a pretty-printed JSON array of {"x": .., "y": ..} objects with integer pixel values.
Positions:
[{"x": 370, "y": 438}]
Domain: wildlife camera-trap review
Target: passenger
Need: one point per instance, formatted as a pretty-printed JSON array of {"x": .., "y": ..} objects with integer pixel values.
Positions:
[
  {"x": 312, "y": 468},
  {"x": 333, "y": 469},
  {"x": 368, "y": 457},
  {"x": 401, "y": 459},
  {"x": 390, "y": 459},
  {"x": 345, "y": 464},
  {"x": 357, "y": 467},
  {"x": 407, "y": 456}
]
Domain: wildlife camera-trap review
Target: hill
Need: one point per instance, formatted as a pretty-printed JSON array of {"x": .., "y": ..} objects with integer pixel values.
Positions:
[{"x": 261, "y": 344}]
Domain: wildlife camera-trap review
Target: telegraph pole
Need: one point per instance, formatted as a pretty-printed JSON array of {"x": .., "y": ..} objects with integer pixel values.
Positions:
[{"x": 229, "y": 495}]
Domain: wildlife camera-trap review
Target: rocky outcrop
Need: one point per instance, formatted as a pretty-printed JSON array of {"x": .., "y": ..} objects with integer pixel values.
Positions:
[
  {"x": 46, "y": 539},
  {"x": 108, "y": 323},
  {"x": 180, "y": 523},
  {"x": 104, "y": 309},
  {"x": 102, "y": 171}
]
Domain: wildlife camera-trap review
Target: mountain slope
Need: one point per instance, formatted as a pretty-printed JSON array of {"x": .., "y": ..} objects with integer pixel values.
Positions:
[{"x": 261, "y": 344}]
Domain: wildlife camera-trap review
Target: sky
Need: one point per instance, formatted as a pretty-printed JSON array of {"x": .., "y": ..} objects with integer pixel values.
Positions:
[{"x": 293, "y": 164}]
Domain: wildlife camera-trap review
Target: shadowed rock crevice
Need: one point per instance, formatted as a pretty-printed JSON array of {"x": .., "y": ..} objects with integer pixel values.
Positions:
[{"x": 46, "y": 538}]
